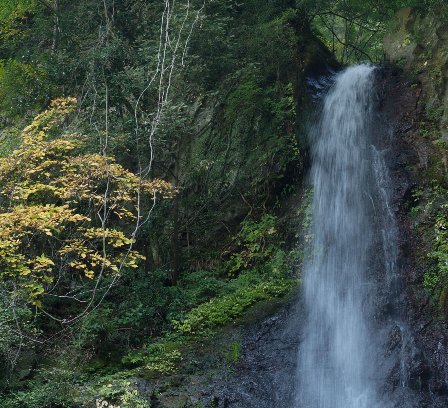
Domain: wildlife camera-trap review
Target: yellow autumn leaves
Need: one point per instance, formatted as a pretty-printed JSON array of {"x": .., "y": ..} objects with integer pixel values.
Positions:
[{"x": 51, "y": 198}]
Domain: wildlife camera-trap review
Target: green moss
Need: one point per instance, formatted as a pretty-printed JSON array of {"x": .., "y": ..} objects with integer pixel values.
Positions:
[
  {"x": 204, "y": 319},
  {"x": 244, "y": 100}
]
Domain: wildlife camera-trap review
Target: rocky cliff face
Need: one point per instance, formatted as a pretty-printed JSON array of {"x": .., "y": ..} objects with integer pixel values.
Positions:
[
  {"x": 414, "y": 103},
  {"x": 244, "y": 143},
  {"x": 424, "y": 344},
  {"x": 419, "y": 44}
]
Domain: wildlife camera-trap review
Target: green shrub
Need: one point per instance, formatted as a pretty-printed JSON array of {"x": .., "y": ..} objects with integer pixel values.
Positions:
[
  {"x": 156, "y": 358},
  {"x": 22, "y": 87},
  {"x": 195, "y": 288},
  {"x": 113, "y": 391},
  {"x": 234, "y": 354},
  {"x": 54, "y": 388},
  {"x": 204, "y": 319},
  {"x": 437, "y": 279},
  {"x": 258, "y": 242}
]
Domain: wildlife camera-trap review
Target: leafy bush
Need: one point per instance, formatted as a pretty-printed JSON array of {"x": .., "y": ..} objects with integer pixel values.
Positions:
[
  {"x": 22, "y": 87},
  {"x": 156, "y": 358},
  {"x": 193, "y": 289},
  {"x": 438, "y": 278},
  {"x": 113, "y": 391},
  {"x": 234, "y": 354},
  {"x": 204, "y": 319},
  {"x": 257, "y": 241},
  {"x": 53, "y": 388}
]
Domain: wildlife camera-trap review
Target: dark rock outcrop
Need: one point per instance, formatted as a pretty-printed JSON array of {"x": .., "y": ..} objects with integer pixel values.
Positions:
[
  {"x": 421, "y": 339},
  {"x": 250, "y": 364},
  {"x": 414, "y": 92}
]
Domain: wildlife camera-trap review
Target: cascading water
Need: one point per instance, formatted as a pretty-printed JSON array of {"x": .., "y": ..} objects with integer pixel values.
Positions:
[{"x": 337, "y": 357}]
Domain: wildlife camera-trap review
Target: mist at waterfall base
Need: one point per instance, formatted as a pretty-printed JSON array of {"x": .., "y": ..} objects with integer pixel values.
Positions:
[{"x": 339, "y": 359}]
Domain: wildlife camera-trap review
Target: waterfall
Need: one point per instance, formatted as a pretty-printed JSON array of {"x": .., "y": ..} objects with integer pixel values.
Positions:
[{"x": 338, "y": 360}]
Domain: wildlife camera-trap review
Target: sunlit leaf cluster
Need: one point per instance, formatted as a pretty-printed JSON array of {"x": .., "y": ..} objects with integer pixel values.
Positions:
[{"x": 55, "y": 206}]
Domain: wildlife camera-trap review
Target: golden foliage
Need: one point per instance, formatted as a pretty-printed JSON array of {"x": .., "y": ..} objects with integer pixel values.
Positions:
[{"x": 51, "y": 201}]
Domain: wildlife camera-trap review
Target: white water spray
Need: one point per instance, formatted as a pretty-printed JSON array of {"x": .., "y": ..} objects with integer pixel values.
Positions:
[{"x": 337, "y": 360}]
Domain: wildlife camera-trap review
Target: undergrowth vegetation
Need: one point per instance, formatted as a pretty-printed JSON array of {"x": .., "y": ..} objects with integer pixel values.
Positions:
[
  {"x": 431, "y": 214},
  {"x": 146, "y": 328},
  {"x": 429, "y": 210}
]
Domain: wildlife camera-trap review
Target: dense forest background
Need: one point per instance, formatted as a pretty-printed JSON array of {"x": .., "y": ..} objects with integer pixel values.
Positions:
[{"x": 153, "y": 160}]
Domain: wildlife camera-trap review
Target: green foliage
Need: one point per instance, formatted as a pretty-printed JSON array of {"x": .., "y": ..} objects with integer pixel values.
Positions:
[
  {"x": 113, "y": 391},
  {"x": 195, "y": 288},
  {"x": 430, "y": 123},
  {"x": 438, "y": 278},
  {"x": 432, "y": 278},
  {"x": 40, "y": 396},
  {"x": 256, "y": 240},
  {"x": 354, "y": 29},
  {"x": 13, "y": 8},
  {"x": 234, "y": 353},
  {"x": 279, "y": 100},
  {"x": 416, "y": 208},
  {"x": 51, "y": 388},
  {"x": 141, "y": 308},
  {"x": 203, "y": 320},
  {"x": 61, "y": 388},
  {"x": 157, "y": 358},
  {"x": 269, "y": 280},
  {"x": 204, "y": 303},
  {"x": 22, "y": 87},
  {"x": 430, "y": 214},
  {"x": 244, "y": 100}
]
